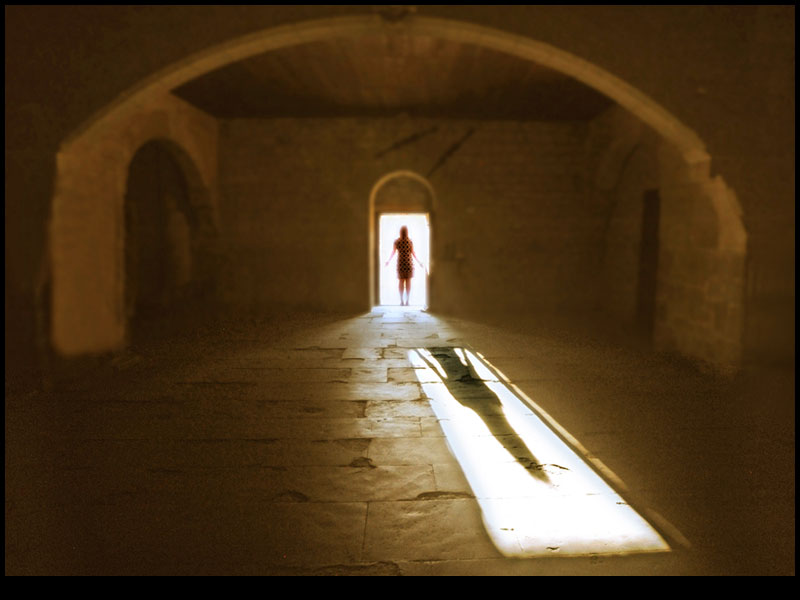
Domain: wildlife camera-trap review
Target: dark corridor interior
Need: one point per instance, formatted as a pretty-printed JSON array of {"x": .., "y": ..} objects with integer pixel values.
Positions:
[
  {"x": 201, "y": 379},
  {"x": 648, "y": 266},
  {"x": 158, "y": 239}
]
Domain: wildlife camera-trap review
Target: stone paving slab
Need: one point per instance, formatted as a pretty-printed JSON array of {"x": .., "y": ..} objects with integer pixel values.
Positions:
[
  {"x": 316, "y": 452},
  {"x": 379, "y": 363},
  {"x": 450, "y": 476},
  {"x": 258, "y": 373},
  {"x": 549, "y": 567},
  {"x": 425, "y": 530},
  {"x": 356, "y": 339},
  {"x": 198, "y": 408},
  {"x": 119, "y": 425},
  {"x": 398, "y": 408},
  {"x": 113, "y": 454},
  {"x": 409, "y": 451},
  {"x": 363, "y": 353},
  {"x": 252, "y": 409},
  {"x": 365, "y": 374},
  {"x": 231, "y": 486},
  {"x": 429, "y": 427},
  {"x": 266, "y": 354},
  {"x": 395, "y": 352},
  {"x": 253, "y": 388},
  {"x": 306, "y": 390},
  {"x": 139, "y": 540},
  {"x": 303, "y": 362},
  {"x": 412, "y": 375}
]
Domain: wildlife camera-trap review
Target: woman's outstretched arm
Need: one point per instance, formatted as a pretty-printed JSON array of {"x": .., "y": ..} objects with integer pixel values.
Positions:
[
  {"x": 414, "y": 254},
  {"x": 391, "y": 255}
]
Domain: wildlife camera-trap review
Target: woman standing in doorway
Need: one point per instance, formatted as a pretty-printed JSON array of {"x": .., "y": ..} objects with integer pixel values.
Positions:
[{"x": 404, "y": 248}]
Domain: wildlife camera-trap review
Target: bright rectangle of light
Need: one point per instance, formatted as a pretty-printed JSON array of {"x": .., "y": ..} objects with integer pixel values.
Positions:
[
  {"x": 574, "y": 513},
  {"x": 419, "y": 232}
]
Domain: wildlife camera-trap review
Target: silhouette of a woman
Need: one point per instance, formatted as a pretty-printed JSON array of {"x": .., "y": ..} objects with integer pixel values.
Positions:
[{"x": 404, "y": 248}]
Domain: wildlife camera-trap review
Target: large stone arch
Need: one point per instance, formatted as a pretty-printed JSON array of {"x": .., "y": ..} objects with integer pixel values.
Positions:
[
  {"x": 686, "y": 160},
  {"x": 650, "y": 112}
]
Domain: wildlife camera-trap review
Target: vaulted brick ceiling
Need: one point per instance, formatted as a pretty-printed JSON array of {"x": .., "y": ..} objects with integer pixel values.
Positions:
[{"x": 383, "y": 75}]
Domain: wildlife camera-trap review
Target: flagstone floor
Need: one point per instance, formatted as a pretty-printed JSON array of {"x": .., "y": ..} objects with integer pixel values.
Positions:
[{"x": 306, "y": 446}]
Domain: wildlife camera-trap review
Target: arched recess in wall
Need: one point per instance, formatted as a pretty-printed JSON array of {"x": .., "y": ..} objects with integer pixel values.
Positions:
[
  {"x": 413, "y": 193},
  {"x": 168, "y": 231},
  {"x": 87, "y": 225},
  {"x": 729, "y": 235}
]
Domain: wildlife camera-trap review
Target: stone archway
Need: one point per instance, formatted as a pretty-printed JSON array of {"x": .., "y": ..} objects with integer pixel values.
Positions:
[
  {"x": 650, "y": 112},
  {"x": 167, "y": 234},
  {"x": 715, "y": 205},
  {"x": 412, "y": 194},
  {"x": 87, "y": 227}
]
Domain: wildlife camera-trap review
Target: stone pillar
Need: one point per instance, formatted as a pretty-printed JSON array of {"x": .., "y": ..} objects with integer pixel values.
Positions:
[{"x": 702, "y": 259}]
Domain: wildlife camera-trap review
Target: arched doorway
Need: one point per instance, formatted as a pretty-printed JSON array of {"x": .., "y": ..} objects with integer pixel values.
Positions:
[
  {"x": 417, "y": 227},
  {"x": 158, "y": 218},
  {"x": 400, "y": 193},
  {"x": 166, "y": 237}
]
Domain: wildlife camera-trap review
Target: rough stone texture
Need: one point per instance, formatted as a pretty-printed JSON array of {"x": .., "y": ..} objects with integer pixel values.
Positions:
[
  {"x": 701, "y": 276},
  {"x": 563, "y": 202},
  {"x": 700, "y": 243},
  {"x": 726, "y": 72},
  {"x": 87, "y": 224},
  {"x": 175, "y": 462},
  {"x": 511, "y": 229},
  {"x": 621, "y": 167},
  {"x": 93, "y": 466}
]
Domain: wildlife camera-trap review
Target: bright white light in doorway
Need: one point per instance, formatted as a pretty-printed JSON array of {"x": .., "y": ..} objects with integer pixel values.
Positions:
[
  {"x": 548, "y": 501},
  {"x": 389, "y": 230}
]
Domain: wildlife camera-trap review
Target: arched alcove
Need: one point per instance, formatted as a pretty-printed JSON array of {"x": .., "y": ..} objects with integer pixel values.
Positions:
[
  {"x": 157, "y": 216},
  {"x": 89, "y": 310},
  {"x": 167, "y": 234}
]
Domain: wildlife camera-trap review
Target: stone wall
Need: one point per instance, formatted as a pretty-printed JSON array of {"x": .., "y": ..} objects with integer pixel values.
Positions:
[
  {"x": 701, "y": 241},
  {"x": 621, "y": 168},
  {"x": 512, "y": 229},
  {"x": 87, "y": 254},
  {"x": 725, "y": 72},
  {"x": 528, "y": 218},
  {"x": 701, "y": 275}
]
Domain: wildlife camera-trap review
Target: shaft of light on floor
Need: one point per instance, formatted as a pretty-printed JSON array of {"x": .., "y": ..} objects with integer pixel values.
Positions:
[{"x": 570, "y": 512}]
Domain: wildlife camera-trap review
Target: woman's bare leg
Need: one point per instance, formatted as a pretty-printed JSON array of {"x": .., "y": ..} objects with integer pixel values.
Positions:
[{"x": 405, "y": 285}]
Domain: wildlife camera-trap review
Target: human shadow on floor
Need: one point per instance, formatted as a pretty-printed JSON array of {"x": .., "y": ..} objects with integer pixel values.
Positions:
[{"x": 473, "y": 393}]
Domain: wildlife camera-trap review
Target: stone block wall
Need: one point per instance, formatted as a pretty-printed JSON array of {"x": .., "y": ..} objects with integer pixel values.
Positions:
[
  {"x": 86, "y": 254},
  {"x": 727, "y": 73},
  {"x": 512, "y": 229},
  {"x": 528, "y": 218},
  {"x": 702, "y": 261},
  {"x": 621, "y": 167},
  {"x": 701, "y": 242}
]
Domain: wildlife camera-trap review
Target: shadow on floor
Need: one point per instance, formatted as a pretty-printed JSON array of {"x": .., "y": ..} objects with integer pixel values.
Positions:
[{"x": 473, "y": 394}]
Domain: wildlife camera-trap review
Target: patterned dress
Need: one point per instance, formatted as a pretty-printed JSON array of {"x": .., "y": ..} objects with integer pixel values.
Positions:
[{"x": 405, "y": 266}]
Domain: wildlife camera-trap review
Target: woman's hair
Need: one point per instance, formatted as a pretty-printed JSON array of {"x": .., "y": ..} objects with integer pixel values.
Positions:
[{"x": 404, "y": 232}]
